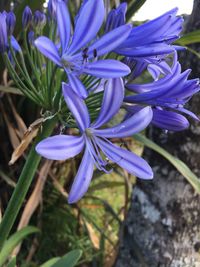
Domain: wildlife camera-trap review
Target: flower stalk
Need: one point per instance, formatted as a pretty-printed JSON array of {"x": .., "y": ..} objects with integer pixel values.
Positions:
[{"x": 23, "y": 184}]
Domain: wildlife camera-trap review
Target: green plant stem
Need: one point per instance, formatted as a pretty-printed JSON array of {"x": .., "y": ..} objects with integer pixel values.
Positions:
[{"x": 23, "y": 184}]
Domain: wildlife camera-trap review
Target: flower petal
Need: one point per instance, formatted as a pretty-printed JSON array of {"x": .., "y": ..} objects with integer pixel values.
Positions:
[
  {"x": 64, "y": 24},
  {"x": 60, "y": 147},
  {"x": 77, "y": 85},
  {"x": 169, "y": 120},
  {"x": 112, "y": 101},
  {"x": 110, "y": 41},
  {"x": 88, "y": 24},
  {"x": 48, "y": 49},
  {"x": 77, "y": 107},
  {"x": 147, "y": 51},
  {"x": 136, "y": 123},
  {"x": 108, "y": 68},
  {"x": 82, "y": 179},
  {"x": 15, "y": 44},
  {"x": 127, "y": 160}
]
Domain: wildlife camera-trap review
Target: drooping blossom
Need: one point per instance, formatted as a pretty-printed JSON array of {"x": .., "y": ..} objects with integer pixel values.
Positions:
[
  {"x": 79, "y": 54},
  {"x": 94, "y": 141},
  {"x": 167, "y": 96},
  {"x": 149, "y": 44}
]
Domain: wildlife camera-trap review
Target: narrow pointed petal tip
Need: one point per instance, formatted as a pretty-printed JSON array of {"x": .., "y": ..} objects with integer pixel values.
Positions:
[
  {"x": 82, "y": 179},
  {"x": 127, "y": 160},
  {"x": 88, "y": 23},
  {"x": 77, "y": 107},
  {"x": 64, "y": 23}
]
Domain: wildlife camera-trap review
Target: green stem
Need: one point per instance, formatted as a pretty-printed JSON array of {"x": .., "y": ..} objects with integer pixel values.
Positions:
[{"x": 23, "y": 184}]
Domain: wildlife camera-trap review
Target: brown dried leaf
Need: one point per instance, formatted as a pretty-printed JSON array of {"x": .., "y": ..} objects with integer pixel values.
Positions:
[
  {"x": 34, "y": 199},
  {"x": 28, "y": 137},
  {"x": 14, "y": 139},
  {"x": 20, "y": 123},
  {"x": 93, "y": 236}
]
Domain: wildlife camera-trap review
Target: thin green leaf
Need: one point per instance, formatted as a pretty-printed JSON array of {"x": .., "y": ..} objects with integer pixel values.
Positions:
[
  {"x": 177, "y": 163},
  {"x": 50, "y": 262},
  {"x": 193, "y": 52},
  {"x": 12, "y": 263},
  {"x": 14, "y": 240},
  {"x": 189, "y": 38},
  {"x": 133, "y": 7},
  {"x": 69, "y": 260}
]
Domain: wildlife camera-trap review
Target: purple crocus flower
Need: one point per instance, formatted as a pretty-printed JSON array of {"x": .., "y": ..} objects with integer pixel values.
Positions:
[
  {"x": 75, "y": 56},
  {"x": 167, "y": 96},
  {"x": 94, "y": 140}
]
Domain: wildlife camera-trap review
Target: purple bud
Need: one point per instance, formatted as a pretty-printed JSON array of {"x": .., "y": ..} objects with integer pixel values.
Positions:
[
  {"x": 31, "y": 37},
  {"x": 10, "y": 20},
  {"x": 39, "y": 20},
  {"x": 3, "y": 33},
  {"x": 26, "y": 17},
  {"x": 52, "y": 7}
]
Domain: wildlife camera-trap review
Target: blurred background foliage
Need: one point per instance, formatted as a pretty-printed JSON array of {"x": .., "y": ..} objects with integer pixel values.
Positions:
[{"x": 93, "y": 224}]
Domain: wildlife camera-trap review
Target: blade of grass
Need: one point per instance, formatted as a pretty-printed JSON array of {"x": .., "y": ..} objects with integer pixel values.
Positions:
[{"x": 177, "y": 163}]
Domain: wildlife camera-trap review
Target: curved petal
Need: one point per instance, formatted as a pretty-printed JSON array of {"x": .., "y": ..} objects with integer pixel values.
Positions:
[
  {"x": 189, "y": 113},
  {"x": 88, "y": 24},
  {"x": 110, "y": 41},
  {"x": 127, "y": 160},
  {"x": 15, "y": 44},
  {"x": 136, "y": 123},
  {"x": 77, "y": 86},
  {"x": 108, "y": 68},
  {"x": 112, "y": 101},
  {"x": 82, "y": 179},
  {"x": 48, "y": 49},
  {"x": 169, "y": 120},
  {"x": 64, "y": 24},
  {"x": 146, "y": 51},
  {"x": 77, "y": 107},
  {"x": 60, "y": 147}
]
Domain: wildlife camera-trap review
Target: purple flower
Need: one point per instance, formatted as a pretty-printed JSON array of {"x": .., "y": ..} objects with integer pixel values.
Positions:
[
  {"x": 154, "y": 37},
  {"x": 3, "y": 33},
  {"x": 167, "y": 96},
  {"x": 7, "y": 21},
  {"x": 94, "y": 141},
  {"x": 149, "y": 44},
  {"x": 10, "y": 21},
  {"x": 27, "y": 17},
  {"x": 39, "y": 20},
  {"x": 116, "y": 17},
  {"x": 155, "y": 65},
  {"x": 75, "y": 56}
]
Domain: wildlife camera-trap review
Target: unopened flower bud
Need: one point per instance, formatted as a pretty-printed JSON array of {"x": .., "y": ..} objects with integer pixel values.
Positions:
[
  {"x": 39, "y": 20},
  {"x": 10, "y": 20},
  {"x": 3, "y": 33},
  {"x": 26, "y": 17}
]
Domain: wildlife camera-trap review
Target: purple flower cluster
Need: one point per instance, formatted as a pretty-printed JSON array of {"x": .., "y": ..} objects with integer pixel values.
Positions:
[{"x": 83, "y": 53}]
